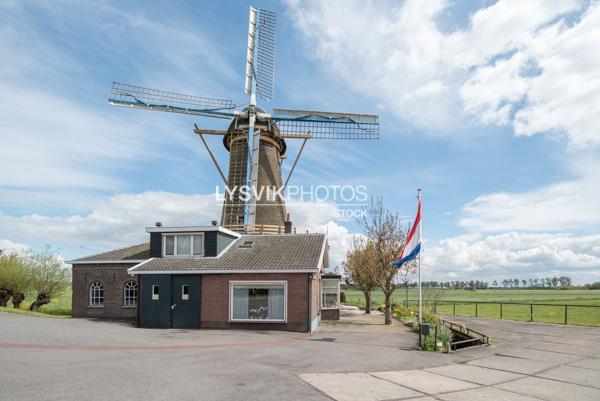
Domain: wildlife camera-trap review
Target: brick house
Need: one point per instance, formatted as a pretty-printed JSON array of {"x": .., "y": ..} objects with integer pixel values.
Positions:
[{"x": 209, "y": 277}]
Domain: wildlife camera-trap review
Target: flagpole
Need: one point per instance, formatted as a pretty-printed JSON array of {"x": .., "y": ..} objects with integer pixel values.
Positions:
[{"x": 420, "y": 252}]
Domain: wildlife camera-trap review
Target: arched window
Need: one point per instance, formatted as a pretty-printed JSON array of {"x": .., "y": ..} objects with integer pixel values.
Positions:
[
  {"x": 97, "y": 294},
  {"x": 130, "y": 294}
]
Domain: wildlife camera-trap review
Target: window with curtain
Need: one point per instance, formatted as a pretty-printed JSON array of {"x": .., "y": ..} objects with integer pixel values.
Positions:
[
  {"x": 330, "y": 290},
  {"x": 261, "y": 301}
]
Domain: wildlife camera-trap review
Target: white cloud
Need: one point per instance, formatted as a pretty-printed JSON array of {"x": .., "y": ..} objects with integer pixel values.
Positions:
[
  {"x": 8, "y": 246},
  {"x": 526, "y": 65},
  {"x": 49, "y": 141},
  {"x": 120, "y": 220},
  {"x": 116, "y": 222},
  {"x": 513, "y": 254},
  {"x": 58, "y": 136},
  {"x": 564, "y": 206}
]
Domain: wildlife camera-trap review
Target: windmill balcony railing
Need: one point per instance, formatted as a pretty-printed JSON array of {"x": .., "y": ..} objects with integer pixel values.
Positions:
[{"x": 261, "y": 229}]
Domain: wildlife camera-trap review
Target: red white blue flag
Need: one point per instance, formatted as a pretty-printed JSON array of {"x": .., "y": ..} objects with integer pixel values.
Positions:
[{"x": 412, "y": 246}]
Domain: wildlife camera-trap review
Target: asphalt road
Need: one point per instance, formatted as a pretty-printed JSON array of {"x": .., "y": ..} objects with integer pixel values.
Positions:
[
  {"x": 78, "y": 359},
  {"x": 356, "y": 359}
]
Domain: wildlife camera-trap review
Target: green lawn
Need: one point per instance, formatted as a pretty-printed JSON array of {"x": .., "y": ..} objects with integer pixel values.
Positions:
[
  {"x": 461, "y": 303},
  {"x": 58, "y": 306}
]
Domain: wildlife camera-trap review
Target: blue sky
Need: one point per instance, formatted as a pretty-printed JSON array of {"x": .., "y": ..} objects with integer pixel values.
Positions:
[{"x": 491, "y": 108}]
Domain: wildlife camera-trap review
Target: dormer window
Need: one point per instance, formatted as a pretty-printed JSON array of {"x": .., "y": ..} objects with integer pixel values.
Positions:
[{"x": 183, "y": 245}]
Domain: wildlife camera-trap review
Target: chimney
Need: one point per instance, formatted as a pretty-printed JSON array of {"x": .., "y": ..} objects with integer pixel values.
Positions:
[
  {"x": 288, "y": 224},
  {"x": 158, "y": 224},
  {"x": 214, "y": 222}
]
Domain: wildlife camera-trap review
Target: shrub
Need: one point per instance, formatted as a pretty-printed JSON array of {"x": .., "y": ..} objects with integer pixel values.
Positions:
[
  {"x": 343, "y": 297},
  {"x": 410, "y": 317},
  {"x": 49, "y": 276},
  {"x": 15, "y": 278},
  {"x": 431, "y": 341}
]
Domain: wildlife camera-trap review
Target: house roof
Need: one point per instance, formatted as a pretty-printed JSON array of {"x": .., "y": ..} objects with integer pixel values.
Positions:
[
  {"x": 287, "y": 252},
  {"x": 131, "y": 253}
]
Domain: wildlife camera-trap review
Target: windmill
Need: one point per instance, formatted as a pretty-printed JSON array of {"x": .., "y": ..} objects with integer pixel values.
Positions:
[{"x": 255, "y": 139}]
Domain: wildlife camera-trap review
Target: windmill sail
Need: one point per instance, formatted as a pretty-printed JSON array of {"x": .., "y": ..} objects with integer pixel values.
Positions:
[
  {"x": 326, "y": 125},
  {"x": 265, "y": 54},
  {"x": 153, "y": 99}
]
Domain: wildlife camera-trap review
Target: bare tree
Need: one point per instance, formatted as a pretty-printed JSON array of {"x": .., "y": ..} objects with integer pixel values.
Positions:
[
  {"x": 406, "y": 275},
  {"x": 361, "y": 268},
  {"x": 384, "y": 230}
]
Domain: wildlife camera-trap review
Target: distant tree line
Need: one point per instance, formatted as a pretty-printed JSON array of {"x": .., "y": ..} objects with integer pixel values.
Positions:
[
  {"x": 42, "y": 274},
  {"x": 548, "y": 283},
  {"x": 454, "y": 285}
]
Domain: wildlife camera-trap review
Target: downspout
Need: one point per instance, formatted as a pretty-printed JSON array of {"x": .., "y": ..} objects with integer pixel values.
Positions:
[
  {"x": 139, "y": 300},
  {"x": 309, "y": 320}
]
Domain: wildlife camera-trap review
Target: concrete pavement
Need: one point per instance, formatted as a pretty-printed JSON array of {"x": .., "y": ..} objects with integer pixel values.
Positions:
[{"x": 529, "y": 361}]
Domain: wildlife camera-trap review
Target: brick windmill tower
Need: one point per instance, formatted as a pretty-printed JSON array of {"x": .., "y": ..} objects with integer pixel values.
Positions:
[{"x": 255, "y": 139}]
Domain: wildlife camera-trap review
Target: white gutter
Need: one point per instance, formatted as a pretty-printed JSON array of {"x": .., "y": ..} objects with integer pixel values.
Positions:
[
  {"x": 103, "y": 261},
  {"x": 192, "y": 229},
  {"x": 232, "y": 271}
]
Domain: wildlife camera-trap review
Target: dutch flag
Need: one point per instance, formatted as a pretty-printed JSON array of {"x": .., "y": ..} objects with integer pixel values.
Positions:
[{"x": 412, "y": 246}]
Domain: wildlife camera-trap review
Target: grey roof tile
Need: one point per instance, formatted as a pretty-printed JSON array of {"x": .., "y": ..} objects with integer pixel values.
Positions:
[
  {"x": 135, "y": 252},
  {"x": 267, "y": 252}
]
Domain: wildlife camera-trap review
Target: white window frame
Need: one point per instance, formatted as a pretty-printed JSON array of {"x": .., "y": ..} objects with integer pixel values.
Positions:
[
  {"x": 187, "y": 234},
  {"x": 155, "y": 297},
  {"x": 253, "y": 284},
  {"x": 91, "y": 297},
  {"x": 126, "y": 296},
  {"x": 184, "y": 296},
  {"x": 322, "y": 295}
]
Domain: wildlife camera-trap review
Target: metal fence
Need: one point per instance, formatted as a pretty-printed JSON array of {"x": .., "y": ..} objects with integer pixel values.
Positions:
[{"x": 584, "y": 315}]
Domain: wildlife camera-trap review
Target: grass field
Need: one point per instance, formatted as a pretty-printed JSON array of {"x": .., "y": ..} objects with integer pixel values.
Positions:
[
  {"x": 463, "y": 303},
  {"x": 58, "y": 306}
]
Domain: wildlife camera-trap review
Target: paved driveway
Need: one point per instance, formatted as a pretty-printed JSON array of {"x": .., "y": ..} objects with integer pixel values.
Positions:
[
  {"x": 527, "y": 362},
  {"x": 357, "y": 359},
  {"x": 78, "y": 359}
]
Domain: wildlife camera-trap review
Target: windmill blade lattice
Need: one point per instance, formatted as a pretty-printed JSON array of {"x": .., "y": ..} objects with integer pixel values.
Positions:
[
  {"x": 326, "y": 125},
  {"x": 264, "y": 64},
  {"x": 153, "y": 99}
]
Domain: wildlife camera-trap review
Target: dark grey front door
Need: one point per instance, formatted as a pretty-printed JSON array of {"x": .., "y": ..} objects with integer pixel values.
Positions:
[{"x": 185, "y": 302}]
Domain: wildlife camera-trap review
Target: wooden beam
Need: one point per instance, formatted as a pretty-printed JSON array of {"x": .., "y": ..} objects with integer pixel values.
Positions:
[
  {"x": 212, "y": 156},
  {"x": 295, "y": 162},
  {"x": 208, "y": 131}
]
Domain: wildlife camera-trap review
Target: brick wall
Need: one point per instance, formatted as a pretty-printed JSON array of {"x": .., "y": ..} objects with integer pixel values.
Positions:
[
  {"x": 214, "y": 307},
  {"x": 113, "y": 276},
  {"x": 330, "y": 314}
]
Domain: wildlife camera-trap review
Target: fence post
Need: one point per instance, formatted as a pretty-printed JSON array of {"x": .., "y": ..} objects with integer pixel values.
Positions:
[
  {"x": 531, "y": 312},
  {"x": 454, "y": 308},
  {"x": 566, "y": 308},
  {"x": 476, "y": 309},
  {"x": 500, "y": 310}
]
